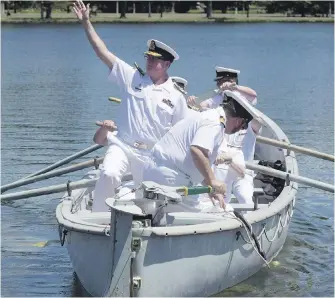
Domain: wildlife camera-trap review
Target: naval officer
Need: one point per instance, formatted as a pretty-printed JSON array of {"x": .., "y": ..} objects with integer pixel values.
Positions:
[
  {"x": 226, "y": 79},
  {"x": 152, "y": 103},
  {"x": 185, "y": 154}
]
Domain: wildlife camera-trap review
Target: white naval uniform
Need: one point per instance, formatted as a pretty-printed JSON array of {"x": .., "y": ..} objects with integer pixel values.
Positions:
[
  {"x": 226, "y": 173},
  {"x": 242, "y": 146},
  {"x": 244, "y": 140},
  {"x": 145, "y": 115},
  {"x": 172, "y": 163}
]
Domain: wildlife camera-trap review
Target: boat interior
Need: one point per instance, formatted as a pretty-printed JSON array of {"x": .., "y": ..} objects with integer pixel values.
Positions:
[{"x": 266, "y": 190}]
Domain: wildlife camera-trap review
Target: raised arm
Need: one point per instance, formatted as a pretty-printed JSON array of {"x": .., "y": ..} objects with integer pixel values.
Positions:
[
  {"x": 83, "y": 14},
  {"x": 248, "y": 93}
]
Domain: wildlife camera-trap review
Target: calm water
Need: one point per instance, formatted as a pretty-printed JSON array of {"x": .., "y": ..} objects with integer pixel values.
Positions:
[{"x": 54, "y": 88}]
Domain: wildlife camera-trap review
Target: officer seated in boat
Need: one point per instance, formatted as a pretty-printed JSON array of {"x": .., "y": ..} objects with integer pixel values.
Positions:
[{"x": 185, "y": 154}]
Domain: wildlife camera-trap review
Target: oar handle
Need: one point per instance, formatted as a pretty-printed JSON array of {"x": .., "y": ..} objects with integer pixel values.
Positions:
[
  {"x": 101, "y": 124},
  {"x": 195, "y": 190}
]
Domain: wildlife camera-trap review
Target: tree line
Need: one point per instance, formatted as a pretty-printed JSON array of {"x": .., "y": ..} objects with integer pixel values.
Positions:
[{"x": 290, "y": 8}]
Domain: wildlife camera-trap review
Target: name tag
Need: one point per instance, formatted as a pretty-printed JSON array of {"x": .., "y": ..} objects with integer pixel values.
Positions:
[{"x": 168, "y": 102}]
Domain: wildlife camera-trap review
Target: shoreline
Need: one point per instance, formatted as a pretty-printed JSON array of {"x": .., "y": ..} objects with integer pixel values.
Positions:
[{"x": 188, "y": 18}]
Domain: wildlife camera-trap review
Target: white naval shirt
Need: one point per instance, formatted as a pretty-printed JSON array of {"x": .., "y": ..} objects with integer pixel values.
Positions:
[
  {"x": 204, "y": 130},
  {"x": 147, "y": 112},
  {"x": 244, "y": 139},
  {"x": 225, "y": 172}
]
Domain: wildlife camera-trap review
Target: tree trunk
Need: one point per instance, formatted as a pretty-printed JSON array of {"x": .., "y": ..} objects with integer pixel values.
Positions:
[
  {"x": 330, "y": 10},
  {"x": 48, "y": 10},
  {"x": 42, "y": 10},
  {"x": 247, "y": 7},
  {"x": 123, "y": 9},
  {"x": 134, "y": 7},
  {"x": 149, "y": 7},
  {"x": 172, "y": 8},
  {"x": 117, "y": 7},
  {"x": 209, "y": 9},
  {"x": 161, "y": 8}
]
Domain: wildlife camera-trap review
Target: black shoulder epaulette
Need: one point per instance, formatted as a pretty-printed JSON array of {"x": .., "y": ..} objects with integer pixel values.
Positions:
[
  {"x": 140, "y": 70},
  {"x": 180, "y": 89}
]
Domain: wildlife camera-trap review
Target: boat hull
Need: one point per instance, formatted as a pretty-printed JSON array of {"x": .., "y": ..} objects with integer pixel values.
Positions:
[{"x": 187, "y": 265}]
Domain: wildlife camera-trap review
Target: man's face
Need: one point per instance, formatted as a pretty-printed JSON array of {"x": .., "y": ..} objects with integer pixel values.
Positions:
[
  {"x": 156, "y": 66},
  {"x": 233, "y": 124},
  {"x": 224, "y": 80}
]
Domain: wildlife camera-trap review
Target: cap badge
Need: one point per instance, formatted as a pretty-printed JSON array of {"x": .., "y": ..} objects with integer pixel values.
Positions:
[{"x": 152, "y": 46}]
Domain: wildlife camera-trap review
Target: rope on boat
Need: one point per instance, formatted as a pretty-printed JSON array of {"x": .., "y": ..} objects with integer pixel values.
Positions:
[
  {"x": 275, "y": 233},
  {"x": 289, "y": 212},
  {"x": 252, "y": 242}
]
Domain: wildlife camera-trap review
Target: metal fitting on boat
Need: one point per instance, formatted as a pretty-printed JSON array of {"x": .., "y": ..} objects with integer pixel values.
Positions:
[
  {"x": 136, "y": 244},
  {"x": 137, "y": 281},
  {"x": 69, "y": 191},
  {"x": 62, "y": 234}
]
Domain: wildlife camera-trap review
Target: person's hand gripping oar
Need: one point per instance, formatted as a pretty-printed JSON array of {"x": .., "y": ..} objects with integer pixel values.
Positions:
[{"x": 107, "y": 124}]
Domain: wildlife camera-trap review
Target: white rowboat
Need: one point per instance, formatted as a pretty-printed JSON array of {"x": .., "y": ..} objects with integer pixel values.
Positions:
[{"x": 121, "y": 253}]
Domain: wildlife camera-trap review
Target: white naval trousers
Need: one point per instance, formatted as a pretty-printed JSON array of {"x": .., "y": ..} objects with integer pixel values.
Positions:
[
  {"x": 115, "y": 165},
  {"x": 242, "y": 188}
]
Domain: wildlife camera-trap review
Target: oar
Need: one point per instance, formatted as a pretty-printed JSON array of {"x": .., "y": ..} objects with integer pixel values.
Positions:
[
  {"x": 65, "y": 160},
  {"x": 86, "y": 183},
  {"x": 295, "y": 148},
  {"x": 62, "y": 187},
  {"x": 290, "y": 177},
  {"x": 51, "y": 174},
  {"x": 48, "y": 190}
]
